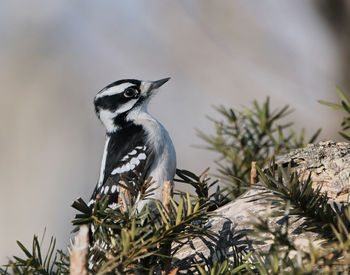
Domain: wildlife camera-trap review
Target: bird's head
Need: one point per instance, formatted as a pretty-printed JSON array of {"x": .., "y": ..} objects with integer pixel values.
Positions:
[{"x": 115, "y": 102}]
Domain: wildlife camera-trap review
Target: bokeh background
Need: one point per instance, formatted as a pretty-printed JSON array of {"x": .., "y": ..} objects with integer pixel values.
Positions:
[{"x": 56, "y": 55}]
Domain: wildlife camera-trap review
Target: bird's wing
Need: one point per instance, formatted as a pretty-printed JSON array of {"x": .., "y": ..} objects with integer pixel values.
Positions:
[{"x": 128, "y": 163}]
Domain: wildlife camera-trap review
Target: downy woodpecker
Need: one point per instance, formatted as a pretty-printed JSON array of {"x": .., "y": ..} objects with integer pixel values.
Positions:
[{"x": 134, "y": 139}]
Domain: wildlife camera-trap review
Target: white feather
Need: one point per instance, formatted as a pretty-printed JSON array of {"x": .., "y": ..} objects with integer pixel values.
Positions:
[
  {"x": 107, "y": 118},
  {"x": 103, "y": 164},
  {"x": 135, "y": 161},
  {"x": 117, "y": 170},
  {"x": 164, "y": 164},
  {"x": 141, "y": 156},
  {"x": 114, "y": 188},
  {"x": 126, "y": 167}
]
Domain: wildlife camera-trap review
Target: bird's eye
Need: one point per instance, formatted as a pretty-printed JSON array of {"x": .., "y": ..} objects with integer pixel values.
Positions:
[{"x": 130, "y": 92}]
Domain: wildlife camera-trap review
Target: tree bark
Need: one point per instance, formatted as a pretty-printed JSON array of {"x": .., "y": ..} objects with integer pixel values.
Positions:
[{"x": 329, "y": 165}]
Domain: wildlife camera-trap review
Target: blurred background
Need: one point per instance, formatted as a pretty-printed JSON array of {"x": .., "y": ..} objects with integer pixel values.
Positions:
[{"x": 56, "y": 55}]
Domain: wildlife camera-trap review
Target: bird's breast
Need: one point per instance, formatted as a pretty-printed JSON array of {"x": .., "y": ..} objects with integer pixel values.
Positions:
[{"x": 164, "y": 165}]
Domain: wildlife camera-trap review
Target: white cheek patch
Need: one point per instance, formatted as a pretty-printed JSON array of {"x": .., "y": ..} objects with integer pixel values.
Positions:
[
  {"x": 107, "y": 117},
  {"x": 114, "y": 90},
  {"x": 125, "y": 107}
]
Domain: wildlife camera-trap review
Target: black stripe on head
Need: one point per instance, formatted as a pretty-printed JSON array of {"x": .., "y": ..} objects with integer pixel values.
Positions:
[
  {"x": 111, "y": 103},
  {"x": 115, "y": 101},
  {"x": 116, "y": 83}
]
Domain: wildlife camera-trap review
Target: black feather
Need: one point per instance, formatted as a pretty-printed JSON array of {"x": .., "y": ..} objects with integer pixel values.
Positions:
[{"x": 131, "y": 139}]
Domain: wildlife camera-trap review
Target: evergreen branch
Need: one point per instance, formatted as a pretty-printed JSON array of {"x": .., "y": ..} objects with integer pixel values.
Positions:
[
  {"x": 286, "y": 187},
  {"x": 55, "y": 262},
  {"x": 136, "y": 240},
  {"x": 250, "y": 134},
  {"x": 343, "y": 106},
  {"x": 299, "y": 199}
]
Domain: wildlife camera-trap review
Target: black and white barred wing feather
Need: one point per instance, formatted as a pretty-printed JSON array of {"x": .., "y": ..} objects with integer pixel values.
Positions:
[{"x": 131, "y": 163}]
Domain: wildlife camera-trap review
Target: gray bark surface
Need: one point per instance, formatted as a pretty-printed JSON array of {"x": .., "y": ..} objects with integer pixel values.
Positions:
[{"x": 329, "y": 165}]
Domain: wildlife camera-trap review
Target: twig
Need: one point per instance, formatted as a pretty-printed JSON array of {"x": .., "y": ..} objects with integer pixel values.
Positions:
[
  {"x": 253, "y": 173},
  {"x": 78, "y": 258},
  {"x": 167, "y": 193},
  {"x": 173, "y": 271},
  {"x": 123, "y": 198},
  {"x": 165, "y": 249}
]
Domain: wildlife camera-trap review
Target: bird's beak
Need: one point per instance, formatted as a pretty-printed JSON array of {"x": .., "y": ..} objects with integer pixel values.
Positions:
[
  {"x": 149, "y": 88},
  {"x": 156, "y": 84}
]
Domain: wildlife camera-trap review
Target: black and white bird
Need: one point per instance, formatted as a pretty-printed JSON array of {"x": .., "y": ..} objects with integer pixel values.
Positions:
[{"x": 134, "y": 139}]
